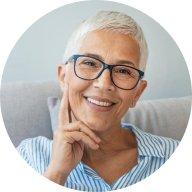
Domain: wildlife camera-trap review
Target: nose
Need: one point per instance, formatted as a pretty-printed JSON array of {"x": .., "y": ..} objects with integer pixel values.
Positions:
[{"x": 104, "y": 81}]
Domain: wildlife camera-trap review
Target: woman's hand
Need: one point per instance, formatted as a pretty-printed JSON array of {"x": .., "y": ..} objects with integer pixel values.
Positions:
[{"x": 69, "y": 141}]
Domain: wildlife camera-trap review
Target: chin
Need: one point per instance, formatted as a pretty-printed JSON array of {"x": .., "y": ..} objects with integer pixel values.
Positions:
[{"x": 96, "y": 125}]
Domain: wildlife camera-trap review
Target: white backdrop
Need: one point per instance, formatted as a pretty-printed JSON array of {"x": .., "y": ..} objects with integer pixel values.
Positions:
[
  {"x": 41, "y": 47},
  {"x": 16, "y": 17}
]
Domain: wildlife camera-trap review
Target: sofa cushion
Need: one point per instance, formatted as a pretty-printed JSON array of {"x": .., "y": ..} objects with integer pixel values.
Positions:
[{"x": 24, "y": 109}]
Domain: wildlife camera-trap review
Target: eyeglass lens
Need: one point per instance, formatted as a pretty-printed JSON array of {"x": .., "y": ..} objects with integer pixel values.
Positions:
[{"x": 123, "y": 76}]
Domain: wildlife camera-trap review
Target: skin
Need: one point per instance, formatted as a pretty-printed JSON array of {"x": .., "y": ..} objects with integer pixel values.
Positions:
[{"x": 89, "y": 136}]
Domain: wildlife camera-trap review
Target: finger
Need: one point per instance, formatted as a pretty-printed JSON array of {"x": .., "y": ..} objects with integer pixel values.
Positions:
[
  {"x": 64, "y": 107},
  {"x": 71, "y": 137},
  {"x": 81, "y": 127}
]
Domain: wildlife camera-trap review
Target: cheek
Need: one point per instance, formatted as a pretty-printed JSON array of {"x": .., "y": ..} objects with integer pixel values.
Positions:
[
  {"x": 76, "y": 85},
  {"x": 77, "y": 88},
  {"x": 126, "y": 102}
]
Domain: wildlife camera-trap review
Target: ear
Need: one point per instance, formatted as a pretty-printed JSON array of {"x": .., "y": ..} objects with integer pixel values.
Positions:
[
  {"x": 140, "y": 88},
  {"x": 61, "y": 71}
]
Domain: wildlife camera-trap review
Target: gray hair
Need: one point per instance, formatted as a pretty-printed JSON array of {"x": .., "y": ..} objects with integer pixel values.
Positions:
[{"x": 111, "y": 21}]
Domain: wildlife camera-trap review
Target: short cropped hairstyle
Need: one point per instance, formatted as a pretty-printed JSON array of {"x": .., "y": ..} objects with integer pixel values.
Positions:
[{"x": 108, "y": 21}]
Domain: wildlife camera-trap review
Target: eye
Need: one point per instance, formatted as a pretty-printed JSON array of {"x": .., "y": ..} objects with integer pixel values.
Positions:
[
  {"x": 90, "y": 63},
  {"x": 123, "y": 71}
]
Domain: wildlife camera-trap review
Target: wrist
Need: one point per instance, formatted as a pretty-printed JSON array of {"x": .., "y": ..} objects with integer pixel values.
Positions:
[{"x": 56, "y": 176}]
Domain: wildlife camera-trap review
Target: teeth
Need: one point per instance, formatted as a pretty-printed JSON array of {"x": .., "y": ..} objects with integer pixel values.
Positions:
[{"x": 106, "y": 104}]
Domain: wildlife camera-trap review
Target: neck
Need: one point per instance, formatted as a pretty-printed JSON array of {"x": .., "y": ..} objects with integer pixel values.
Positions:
[{"x": 113, "y": 141}]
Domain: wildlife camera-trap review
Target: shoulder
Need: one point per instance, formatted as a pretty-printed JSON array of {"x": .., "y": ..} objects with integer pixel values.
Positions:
[
  {"x": 153, "y": 145},
  {"x": 36, "y": 152},
  {"x": 168, "y": 144},
  {"x": 33, "y": 145}
]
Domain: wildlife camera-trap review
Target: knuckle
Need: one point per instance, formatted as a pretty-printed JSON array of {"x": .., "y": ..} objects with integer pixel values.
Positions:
[{"x": 68, "y": 136}]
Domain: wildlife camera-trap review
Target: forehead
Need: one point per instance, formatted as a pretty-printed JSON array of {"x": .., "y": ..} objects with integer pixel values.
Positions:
[{"x": 111, "y": 46}]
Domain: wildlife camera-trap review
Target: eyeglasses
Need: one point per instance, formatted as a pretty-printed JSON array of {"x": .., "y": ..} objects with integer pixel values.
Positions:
[{"x": 89, "y": 68}]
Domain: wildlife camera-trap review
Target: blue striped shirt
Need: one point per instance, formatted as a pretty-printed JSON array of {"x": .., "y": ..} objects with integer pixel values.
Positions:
[{"x": 153, "y": 151}]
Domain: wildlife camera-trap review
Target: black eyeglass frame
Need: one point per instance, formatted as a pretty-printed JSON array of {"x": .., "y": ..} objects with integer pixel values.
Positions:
[{"x": 105, "y": 66}]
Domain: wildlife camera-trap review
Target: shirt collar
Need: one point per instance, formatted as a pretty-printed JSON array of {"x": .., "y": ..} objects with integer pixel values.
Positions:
[
  {"x": 148, "y": 144},
  {"x": 88, "y": 171}
]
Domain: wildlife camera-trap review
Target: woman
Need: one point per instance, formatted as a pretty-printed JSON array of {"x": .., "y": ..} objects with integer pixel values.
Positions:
[{"x": 101, "y": 78}]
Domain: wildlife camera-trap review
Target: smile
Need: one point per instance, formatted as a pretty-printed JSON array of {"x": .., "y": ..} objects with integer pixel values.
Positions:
[{"x": 97, "y": 105}]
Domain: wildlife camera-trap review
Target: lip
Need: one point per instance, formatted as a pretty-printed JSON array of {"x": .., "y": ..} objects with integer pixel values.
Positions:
[
  {"x": 101, "y": 99},
  {"x": 97, "y": 108}
]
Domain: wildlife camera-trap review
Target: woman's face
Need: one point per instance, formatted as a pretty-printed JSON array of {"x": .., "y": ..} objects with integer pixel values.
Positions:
[{"x": 112, "y": 48}]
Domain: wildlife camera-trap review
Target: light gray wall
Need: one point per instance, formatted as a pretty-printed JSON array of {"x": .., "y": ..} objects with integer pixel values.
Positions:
[{"x": 41, "y": 47}]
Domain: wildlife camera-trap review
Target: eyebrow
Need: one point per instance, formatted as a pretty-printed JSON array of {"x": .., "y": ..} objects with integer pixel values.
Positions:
[{"x": 120, "y": 62}]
